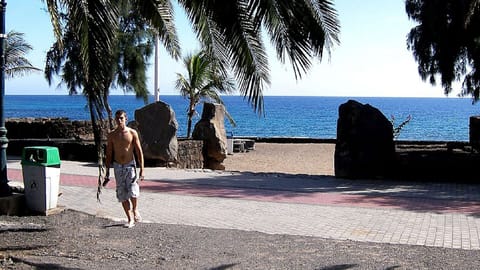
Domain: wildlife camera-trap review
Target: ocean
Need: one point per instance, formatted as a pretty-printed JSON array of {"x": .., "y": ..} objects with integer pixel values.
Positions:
[{"x": 432, "y": 119}]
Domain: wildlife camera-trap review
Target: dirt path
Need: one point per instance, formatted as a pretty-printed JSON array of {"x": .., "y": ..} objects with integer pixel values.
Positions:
[{"x": 72, "y": 240}]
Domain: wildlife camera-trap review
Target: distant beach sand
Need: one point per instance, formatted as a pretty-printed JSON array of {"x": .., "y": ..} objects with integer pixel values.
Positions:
[{"x": 292, "y": 158}]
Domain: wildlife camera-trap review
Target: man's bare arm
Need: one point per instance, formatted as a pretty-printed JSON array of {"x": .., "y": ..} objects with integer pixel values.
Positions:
[{"x": 138, "y": 152}]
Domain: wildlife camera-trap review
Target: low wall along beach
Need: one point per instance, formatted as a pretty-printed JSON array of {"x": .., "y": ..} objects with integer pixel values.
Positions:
[
  {"x": 417, "y": 160},
  {"x": 74, "y": 140}
]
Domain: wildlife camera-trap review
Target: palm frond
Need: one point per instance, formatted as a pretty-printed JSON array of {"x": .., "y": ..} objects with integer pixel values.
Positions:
[
  {"x": 300, "y": 29},
  {"x": 231, "y": 31},
  {"x": 19, "y": 71},
  {"x": 16, "y": 64},
  {"x": 54, "y": 10},
  {"x": 227, "y": 31},
  {"x": 160, "y": 15}
]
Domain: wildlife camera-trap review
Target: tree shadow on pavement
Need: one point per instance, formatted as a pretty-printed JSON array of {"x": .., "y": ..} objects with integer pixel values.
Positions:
[{"x": 408, "y": 195}]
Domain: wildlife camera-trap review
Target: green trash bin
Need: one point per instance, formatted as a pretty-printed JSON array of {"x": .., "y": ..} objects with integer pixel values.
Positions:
[{"x": 41, "y": 177}]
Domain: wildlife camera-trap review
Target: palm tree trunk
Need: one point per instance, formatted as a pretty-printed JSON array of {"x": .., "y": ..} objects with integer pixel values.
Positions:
[
  {"x": 189, "y": 126},
  {"x": 191, "y": 113},
  {"x": 109, "y": 110},
  {"x": 97, "y": 136}
]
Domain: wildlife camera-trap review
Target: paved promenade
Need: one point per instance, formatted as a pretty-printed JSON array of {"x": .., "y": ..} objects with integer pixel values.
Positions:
[{"x": 439, "y": 214}]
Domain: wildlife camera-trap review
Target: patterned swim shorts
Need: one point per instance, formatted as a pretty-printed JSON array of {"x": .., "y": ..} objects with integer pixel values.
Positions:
[{"x": 126, "y": 181}]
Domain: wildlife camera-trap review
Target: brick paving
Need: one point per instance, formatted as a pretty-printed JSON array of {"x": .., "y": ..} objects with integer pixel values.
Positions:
[{"x": 429, "y": 214}]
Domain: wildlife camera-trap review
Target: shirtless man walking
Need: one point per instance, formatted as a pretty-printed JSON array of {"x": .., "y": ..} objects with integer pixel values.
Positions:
[{"x": 123, "y": 145}]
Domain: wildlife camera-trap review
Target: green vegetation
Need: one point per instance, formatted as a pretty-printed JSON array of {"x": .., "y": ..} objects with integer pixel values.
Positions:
[
  {"x": 397, "y": 129},
  {"x": 446, "y": 44},
  {"x": 205, "y": 79},
  {"x": 16, "y": 62},
  {"x": 128, "y": 59}
]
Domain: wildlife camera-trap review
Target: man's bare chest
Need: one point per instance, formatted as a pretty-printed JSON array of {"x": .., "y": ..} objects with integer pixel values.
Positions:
[{"x": 123, "y": 138}]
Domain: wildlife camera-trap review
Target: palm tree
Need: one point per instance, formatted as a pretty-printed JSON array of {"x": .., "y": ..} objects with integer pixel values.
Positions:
[
  {"x": 131, "y": 52},
  {"x": 445, "y": 43},
  {"x": 87, "y": 36},
  {"x": 204, "y": 81},
  {"x": 16, "y": 64},
  {"x": 230, "y": 30}
]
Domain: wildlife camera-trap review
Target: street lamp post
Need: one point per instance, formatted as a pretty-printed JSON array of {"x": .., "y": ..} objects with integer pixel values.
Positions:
[{"x": 5, "y": 189}]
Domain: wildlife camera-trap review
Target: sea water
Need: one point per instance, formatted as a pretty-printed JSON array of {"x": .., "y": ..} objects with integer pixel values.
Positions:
[{"x": 432, "y": 119}]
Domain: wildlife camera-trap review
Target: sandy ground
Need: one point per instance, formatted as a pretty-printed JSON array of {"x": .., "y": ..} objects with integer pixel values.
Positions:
[{"x": 294, "y": 158}]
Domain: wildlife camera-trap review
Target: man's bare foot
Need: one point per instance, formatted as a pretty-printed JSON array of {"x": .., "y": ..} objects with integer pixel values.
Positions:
[
  {"x": 137, "y": 217},
  {"x": 129, "y": 224}
]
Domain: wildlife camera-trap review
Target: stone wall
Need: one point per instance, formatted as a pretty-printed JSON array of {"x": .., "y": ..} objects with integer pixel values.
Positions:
[
  {"x": 190, "y": 154},
  {"x": 68, "y": 149},
  {"x": 436, "y": 162},
  {"x": 74, "y": 140},
  {"x": 53, "y": 128}
]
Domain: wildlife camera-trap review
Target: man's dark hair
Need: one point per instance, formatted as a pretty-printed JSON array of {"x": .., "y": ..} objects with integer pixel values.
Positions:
[{"x": 120, "y": 112}]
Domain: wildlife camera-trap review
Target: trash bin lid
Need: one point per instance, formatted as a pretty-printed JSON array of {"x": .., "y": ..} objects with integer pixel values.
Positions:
[{"x": 41, "y": 156}]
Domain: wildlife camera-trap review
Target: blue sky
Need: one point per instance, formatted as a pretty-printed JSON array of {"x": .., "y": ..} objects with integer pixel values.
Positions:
[{"x": 372, "y": 59}]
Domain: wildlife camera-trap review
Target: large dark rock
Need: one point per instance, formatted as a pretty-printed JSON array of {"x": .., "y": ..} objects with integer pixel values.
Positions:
[
  {"x": 211, "y": 129},
  {"x": 364, "y": 147},
  {"x": 157, "y": 128},
  {"x": 474, "y": 132}
]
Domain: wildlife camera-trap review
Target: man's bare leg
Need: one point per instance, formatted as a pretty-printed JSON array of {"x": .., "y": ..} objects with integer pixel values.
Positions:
[
  {"x": 128, "y": 212},
  {"x": 136, "y": 214}
]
